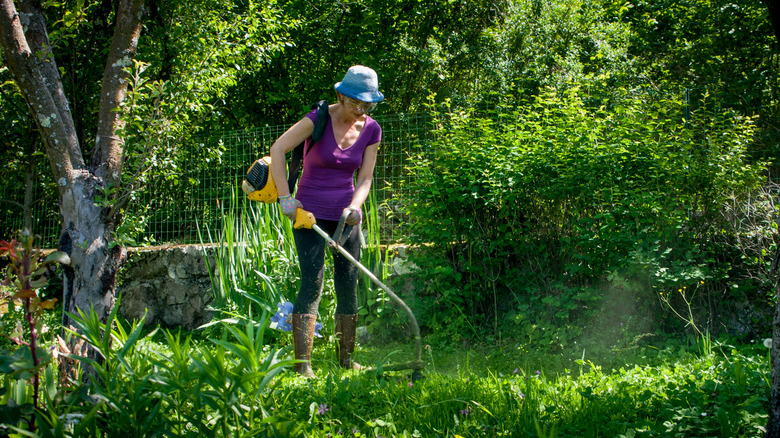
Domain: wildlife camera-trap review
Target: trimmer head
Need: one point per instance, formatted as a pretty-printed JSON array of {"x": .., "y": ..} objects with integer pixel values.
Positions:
[
  {"x": 259, "y": 184},
  {"x": 258, "y": 174}
]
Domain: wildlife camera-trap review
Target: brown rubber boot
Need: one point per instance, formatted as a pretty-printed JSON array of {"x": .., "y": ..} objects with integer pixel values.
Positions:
[
  {"x": 346, "y": 325},
  {"x": 303, "y": 325}
]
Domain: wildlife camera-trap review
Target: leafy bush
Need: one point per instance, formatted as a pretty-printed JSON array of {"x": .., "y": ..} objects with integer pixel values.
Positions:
[
  {"x": 539, "y": 203},
  {"x": 140, "y": 387},
  {"x": 28, "y": 360}
]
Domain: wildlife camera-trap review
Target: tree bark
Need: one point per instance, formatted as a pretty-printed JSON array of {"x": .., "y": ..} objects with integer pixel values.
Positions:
[
  {"x": 87, "y": 228},
  {"x": 107, "y": 158},
  {"x": 773, "y": 424},
  {"x": 35, "y": 72},
  {"x": 773, "y": 7}
]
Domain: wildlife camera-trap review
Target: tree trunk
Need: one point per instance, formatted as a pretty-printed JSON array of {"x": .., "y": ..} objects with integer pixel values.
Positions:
[
  {"x": 773, "y": 7},
  {"x": 773, "y": 425},
  {"x": 87, "y": 228},
  {"x": 90, "y": 280}
]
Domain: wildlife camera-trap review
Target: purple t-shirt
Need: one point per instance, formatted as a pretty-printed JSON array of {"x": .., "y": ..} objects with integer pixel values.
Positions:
[{"x": 328, "y": 179}]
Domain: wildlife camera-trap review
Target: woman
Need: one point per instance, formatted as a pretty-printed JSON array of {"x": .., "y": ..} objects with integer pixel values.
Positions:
[{"x": 327, "y": 189}]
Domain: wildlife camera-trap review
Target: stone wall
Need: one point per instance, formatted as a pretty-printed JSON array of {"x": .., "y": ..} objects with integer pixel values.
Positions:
[{"x": 171, "y": 284}]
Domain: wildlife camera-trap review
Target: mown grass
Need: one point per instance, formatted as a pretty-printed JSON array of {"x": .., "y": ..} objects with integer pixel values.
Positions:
[{"x": 681, "y": 391}]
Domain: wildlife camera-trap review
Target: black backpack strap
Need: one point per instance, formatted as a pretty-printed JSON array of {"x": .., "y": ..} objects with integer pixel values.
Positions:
[
  {"x": 296, "y": 161},
  {"x": 294, "y": 167},
  {"x": 322, "y": 121}
]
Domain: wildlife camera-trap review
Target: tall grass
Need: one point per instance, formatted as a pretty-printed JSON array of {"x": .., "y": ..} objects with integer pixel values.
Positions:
[
  {"x": 372, "y": 300},
  {"x": 254, "y": 257},
  {"x": 255, "y": 261}
]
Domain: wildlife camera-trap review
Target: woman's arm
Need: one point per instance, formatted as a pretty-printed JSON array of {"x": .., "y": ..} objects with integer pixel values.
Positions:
[
  {"x": 365, "y": 176},
  {"x": 294, "y": 136}
]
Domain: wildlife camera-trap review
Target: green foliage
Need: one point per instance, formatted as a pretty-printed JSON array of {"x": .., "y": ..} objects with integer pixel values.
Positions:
[
  {"x": 26, "y": 272},
  {"x": 182, "y": 385},
  {"x": 677, "y": 41},
  {"x": 132, "y": 383},
  {"x": 418, "y": 48},
  {"x": 191, "y": 53},
  {"x": 373, "y": 302},
  {"x": 554, "y": 44},
  {"x": 552, "y": 197},
  {"x": 720, "y": 393},
  {"x": 183, "y": 388},
  {"x": 23, "y": 184},
  {"x": 255, "y": 261},
  {"x": 724, "y": 50},
  {"x": 233, "y": 385},
  {"x": 256, "y": 264}
]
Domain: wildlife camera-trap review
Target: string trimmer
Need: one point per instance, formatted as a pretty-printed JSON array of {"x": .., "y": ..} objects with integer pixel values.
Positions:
[{"x": 259, "y": 175}]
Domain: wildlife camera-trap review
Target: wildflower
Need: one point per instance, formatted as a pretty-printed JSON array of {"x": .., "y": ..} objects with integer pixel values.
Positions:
[
  {"x": 411, "y": 384},
  {"x": 355, "y": 431},
  {"x": 282, "y": 317},
  {"x": 768, "y": 343},
  {"x": 322, "y": 409},
  {"x": 465, "y": 411},
  {"x": 517, "y": 370}
]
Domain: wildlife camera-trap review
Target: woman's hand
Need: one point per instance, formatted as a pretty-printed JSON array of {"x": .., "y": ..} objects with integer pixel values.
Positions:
[
  {"x": 354, "y": 215},
  {"x": 289, "y": 206}
]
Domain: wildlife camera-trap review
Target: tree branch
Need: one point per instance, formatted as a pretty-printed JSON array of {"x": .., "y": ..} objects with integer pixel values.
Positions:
[
  {"x": 107, "y": 158},
  {"x": 38, "y": 39},
  {"x": 12, "y": 202},
  {"x": 39, "y": 82}
]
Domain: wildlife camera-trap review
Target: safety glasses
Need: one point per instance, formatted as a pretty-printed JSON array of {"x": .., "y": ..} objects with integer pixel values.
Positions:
[{"x": 365, "y": 107}]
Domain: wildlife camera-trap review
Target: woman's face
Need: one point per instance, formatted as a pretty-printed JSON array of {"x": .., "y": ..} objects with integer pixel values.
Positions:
[{"x": 357, "y": 107}]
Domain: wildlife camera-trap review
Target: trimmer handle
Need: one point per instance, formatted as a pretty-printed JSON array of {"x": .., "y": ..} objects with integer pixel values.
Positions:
[
  {"x": 303, "y": 219},
  {"x": 342, "y": 230}
]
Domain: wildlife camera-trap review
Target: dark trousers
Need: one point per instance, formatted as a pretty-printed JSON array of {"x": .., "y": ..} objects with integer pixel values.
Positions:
[{"x": 311, "y": 258}]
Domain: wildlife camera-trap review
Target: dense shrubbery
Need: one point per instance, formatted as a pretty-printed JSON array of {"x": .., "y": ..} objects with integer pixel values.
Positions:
[
  {"x": 167, "y": 384},
  {"x": 535, "y": 209},
  {"x": 232, "y": 383}
]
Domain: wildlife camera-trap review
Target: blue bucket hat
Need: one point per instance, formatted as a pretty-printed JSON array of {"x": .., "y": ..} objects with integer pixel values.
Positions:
[{"x": 360, "y": 83}]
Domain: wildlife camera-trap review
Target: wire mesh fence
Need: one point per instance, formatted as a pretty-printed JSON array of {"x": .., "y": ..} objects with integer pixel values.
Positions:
[
  {"x": 174, "y": 212},
  {"x": 202, "y": 187}
]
